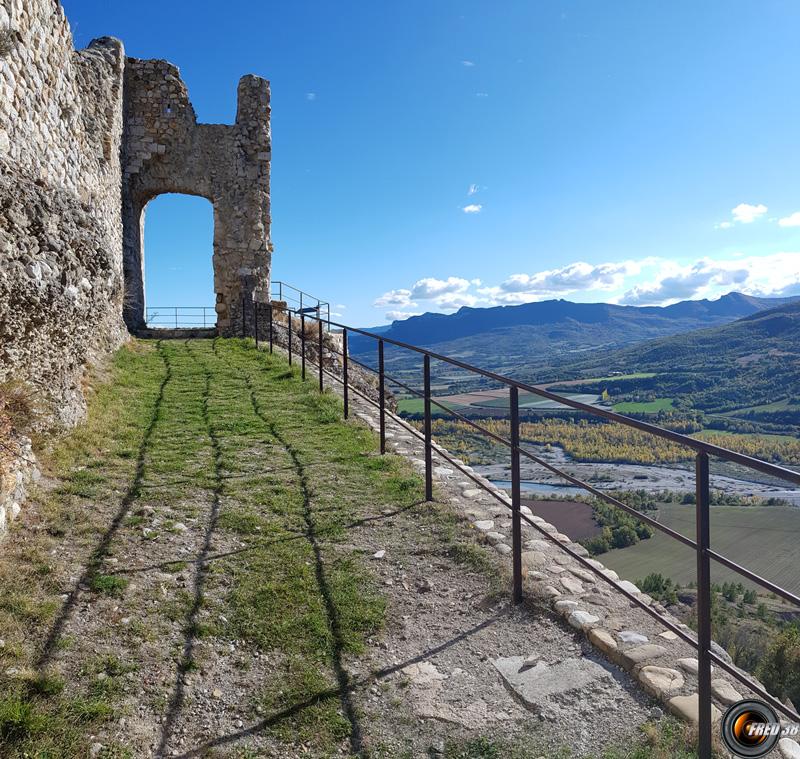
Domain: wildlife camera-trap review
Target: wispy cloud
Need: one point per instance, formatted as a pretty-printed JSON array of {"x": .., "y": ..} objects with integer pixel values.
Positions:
[
  {"x": 468, "y": 64},
  {"x": 481, "y": 94},
  {"x": 792, "y": 220},
  {"x": 472, "y": 208},
  {"x": 473, "y": 189},
  {"x": 311, "y": 95}
]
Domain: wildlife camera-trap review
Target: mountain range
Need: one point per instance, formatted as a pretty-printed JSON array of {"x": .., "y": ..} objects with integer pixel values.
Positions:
[{"x": 546, "y": 333}]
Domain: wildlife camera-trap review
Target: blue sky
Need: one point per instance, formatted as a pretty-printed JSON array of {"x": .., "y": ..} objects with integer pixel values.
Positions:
[{"x": 433, "y": 154}]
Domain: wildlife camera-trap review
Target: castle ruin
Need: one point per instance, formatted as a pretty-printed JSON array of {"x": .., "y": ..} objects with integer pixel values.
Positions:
[{"x": 87, "y": 139}]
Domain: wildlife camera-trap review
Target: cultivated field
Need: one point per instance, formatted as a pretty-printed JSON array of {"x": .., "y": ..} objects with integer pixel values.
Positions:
[
  {"x": 763, "y": 539},
  {"x": 643, "y": 407},
  {"x": 573, "y": 518}
]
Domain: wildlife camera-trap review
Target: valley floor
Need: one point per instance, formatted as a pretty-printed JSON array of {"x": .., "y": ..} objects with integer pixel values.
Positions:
[{"x": 216, "y": 565}]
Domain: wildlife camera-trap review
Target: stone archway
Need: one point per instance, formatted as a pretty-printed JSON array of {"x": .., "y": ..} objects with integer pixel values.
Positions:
[{"x": 165, "y": 150}]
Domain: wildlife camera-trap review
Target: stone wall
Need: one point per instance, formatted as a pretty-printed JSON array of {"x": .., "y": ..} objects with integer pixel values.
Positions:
[
  {"x": 61, "y": 284},
  {"x": 87, "y": 139}
]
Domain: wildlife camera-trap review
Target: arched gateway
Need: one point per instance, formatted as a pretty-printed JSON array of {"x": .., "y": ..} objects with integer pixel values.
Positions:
[{"x": 166, "y": 150}]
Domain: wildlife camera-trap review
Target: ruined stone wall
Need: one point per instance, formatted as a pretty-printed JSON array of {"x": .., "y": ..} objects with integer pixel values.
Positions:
[
  {"x": 61, "y": 279},
  {"x": 166, "y": 150}
]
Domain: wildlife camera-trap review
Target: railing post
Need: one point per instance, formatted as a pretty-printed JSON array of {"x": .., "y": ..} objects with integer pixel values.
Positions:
[
  {"x": 516, "y": 522},
  {"x": 289, "y": 315},
  {"x": 280, "y": 291},
  {"x": 382, "y": 397},
  {"x": 428, "y": 446},
  {"x": 303, "y": 344},
  {"x": 703, "y": 605},
  {"x": 344, "y": 375},
  {"x": 270, "y": 327},
  {"x": 319, "y": 353},
  {"x": 176, "y": 317},
  {"x": 204, "y": 317},
  {"x": 255, "y": 321}
]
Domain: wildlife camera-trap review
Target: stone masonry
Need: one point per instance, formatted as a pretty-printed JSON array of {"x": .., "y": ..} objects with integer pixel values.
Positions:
[
  {"x": 87, "y": 139},
  {"x": 166, "y": 150}
]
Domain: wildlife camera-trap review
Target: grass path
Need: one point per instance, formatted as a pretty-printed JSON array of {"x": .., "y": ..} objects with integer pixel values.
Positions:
[
  {"x": 194, "y": 578},
  {"x": 185, "y": 575}
]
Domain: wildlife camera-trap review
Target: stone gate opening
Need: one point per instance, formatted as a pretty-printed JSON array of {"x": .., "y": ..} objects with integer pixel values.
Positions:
[
  {"x": 178, "y": 250},
  {"x": 165, "y": 150}
]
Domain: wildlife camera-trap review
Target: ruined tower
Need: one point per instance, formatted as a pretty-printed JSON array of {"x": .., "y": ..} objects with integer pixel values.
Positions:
[{"x": 164, "y": 149}]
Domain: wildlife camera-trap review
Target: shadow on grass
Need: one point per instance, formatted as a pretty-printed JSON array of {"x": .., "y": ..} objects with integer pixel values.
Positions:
[{"x": 95, "y": 561}]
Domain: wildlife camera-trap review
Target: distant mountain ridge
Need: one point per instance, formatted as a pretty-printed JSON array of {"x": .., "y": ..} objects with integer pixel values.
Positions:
[
  {"x": 430, "y": 328},
  {"x": 503, "y": 338}
]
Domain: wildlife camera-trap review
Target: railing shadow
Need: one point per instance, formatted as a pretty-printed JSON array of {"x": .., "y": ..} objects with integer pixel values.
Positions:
[{"x": 95, "y": 561}]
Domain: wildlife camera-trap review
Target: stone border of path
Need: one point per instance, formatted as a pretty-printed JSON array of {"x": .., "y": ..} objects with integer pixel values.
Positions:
[{"x": 664, "y": 665}]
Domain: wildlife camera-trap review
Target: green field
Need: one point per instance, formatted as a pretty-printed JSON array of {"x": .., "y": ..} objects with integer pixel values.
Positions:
[
  {"x": 417, "y": 406},
  {"x": 643, "y": 407},
  {"x": 783, "y": 405},
  {"x": 636, "y": 375},
  {"x": 763, "y": 539}
]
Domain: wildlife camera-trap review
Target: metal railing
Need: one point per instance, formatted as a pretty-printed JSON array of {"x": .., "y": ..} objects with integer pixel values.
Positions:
[
  {"x": 300, "y": 301},
  {"x": 177, "y": 317},
  {"x": 703, "y": 452}
]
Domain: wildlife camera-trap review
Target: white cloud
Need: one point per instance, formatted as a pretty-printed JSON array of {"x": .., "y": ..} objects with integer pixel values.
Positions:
[
  {"x": 522, "y": 288},
  {"x": 468, "y": 64},
  {"x": 430, "y": 287},
  {"x": 401, "y": 298},
  {"x": 473, "y": 188},
  {"x": 399, "y": 315},
  {"x": 724, "y": 225},
  {"x": 773, "y": 274},
  {"x": 792, "y": 220},
  {"x": 645, "y": 281},
  {"x": 454, "y": 301},
  {"x": 472, "y": 208},
  {"x": 311, "y": 95},
  {"x": 481, "y": 94},
  {"x": 747, "y": 214}
]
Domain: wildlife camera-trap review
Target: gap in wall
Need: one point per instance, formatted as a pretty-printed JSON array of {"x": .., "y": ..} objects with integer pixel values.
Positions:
[{"x": 178, "y": 250}]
